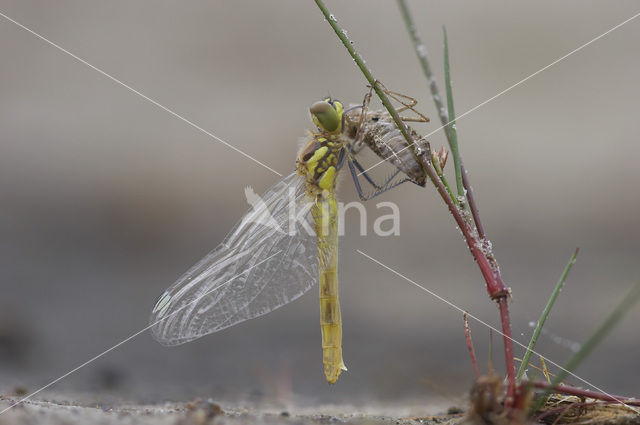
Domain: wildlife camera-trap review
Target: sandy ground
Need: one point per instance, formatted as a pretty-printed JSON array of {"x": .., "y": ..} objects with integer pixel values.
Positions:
[
  {"x": 198, "y": 412},
  {"x": 70, "y": 411},
  {"x": 107, "y": 199}
]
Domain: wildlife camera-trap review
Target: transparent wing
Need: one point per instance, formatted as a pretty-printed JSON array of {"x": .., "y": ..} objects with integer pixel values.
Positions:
[{"x": 260, "y": 266}]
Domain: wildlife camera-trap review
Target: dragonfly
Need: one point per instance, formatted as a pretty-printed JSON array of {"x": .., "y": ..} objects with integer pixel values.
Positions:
[{"x": 287, "y": 242}]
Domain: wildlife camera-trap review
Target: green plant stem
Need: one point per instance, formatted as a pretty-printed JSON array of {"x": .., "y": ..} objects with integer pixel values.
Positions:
[
  {"x": 423, "y": 58},
  {"x": 453, "y": 134},
  {"x": 342, "y": 35},
  {"x": 603, "y": 330},
  {"x": 446, "y": 185},
  {"x": 421, "y": 52},
  {"x": 545, "y": 314}
]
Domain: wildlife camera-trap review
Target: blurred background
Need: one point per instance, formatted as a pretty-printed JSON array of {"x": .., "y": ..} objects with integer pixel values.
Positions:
[{"x": 106, "y": 199}]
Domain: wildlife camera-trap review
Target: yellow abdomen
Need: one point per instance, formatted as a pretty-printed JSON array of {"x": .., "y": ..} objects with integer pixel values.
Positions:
[{"x": 326, "y": 225}]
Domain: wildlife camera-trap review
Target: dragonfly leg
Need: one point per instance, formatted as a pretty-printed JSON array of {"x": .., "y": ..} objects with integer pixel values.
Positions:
[{"x": 356, "y": 180}]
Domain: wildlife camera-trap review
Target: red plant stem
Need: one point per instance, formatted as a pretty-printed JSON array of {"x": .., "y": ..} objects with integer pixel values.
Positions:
[
  {"x": 472, "y": 202},
  {"x": 495, "y": 286},
  {"x": 508, "y": 350},
  {"x": 472, "y": 352},
  {"x": 579, "y": 392}
]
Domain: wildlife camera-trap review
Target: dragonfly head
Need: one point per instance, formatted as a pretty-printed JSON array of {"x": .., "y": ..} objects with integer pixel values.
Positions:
[{"x": 327, "y": 115}]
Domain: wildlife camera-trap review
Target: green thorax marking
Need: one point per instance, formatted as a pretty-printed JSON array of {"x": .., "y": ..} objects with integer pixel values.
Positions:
[{"x": 320, "y": 160}]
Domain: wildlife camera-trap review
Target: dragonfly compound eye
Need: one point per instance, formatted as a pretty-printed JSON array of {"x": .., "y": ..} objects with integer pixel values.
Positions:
[{"x": 327, "y": 115}]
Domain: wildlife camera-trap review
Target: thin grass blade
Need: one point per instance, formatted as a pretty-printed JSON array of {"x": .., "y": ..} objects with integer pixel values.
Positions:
[
  {"x": 603, "y": 330},
  {"x": 545, "y": 314},
  {"x": 453, "y": 141}
]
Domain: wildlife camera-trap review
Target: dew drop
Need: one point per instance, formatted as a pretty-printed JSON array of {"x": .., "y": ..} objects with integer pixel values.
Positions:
[{"x": 422, "y": 51}]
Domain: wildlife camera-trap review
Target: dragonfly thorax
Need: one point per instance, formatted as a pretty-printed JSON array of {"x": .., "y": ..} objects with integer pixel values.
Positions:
[{"x": 320, "y": 160}]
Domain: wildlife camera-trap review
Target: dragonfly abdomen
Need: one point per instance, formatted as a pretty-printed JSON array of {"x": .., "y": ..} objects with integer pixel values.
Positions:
[
  {"x": 325, "y": 217},
  {"x": 331, "y": 325}
]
